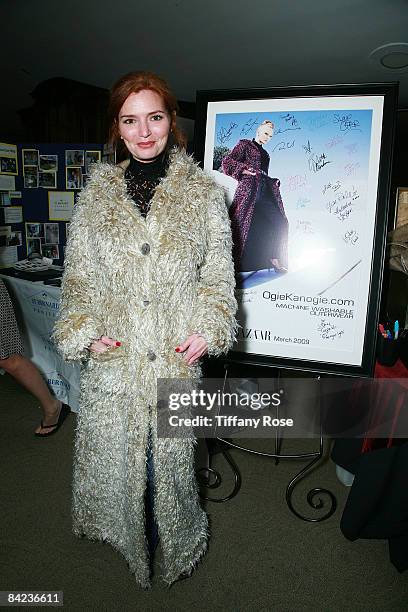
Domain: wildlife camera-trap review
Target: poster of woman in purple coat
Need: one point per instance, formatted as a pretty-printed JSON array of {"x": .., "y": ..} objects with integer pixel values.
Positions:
[
  {"x": 301, "y": 177},
  {"x": 258, "y": 220}
]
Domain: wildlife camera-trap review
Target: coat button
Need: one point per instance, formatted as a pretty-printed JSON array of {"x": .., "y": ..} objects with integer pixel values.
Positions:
[
  {"x": 151, "y": 356},
  {"x": 145, "y": 248},
  {"x": 146, "y": 302}
]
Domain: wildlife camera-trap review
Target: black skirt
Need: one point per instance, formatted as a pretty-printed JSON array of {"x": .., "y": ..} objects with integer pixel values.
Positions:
[{"x": 268, "y": 234}]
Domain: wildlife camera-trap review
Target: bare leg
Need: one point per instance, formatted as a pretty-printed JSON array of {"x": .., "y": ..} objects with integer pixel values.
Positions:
[{"x": 27, "y": 375}]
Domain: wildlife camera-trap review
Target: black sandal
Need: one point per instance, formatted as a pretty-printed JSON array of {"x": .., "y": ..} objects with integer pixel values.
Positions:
[{"x": 64, "y": 412}]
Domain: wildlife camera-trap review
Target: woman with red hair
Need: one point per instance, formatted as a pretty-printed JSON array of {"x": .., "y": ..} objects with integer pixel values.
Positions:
[{"x": 148, "y": 290}]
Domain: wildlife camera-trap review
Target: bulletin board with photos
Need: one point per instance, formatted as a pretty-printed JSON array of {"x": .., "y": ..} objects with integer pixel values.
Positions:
[{"x": 39, "y": 184}]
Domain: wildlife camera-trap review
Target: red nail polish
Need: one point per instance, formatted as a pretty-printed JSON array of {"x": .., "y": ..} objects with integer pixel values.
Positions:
[
  {"x": 177, "y": 349},
  {"x": 118, "y": 343}
]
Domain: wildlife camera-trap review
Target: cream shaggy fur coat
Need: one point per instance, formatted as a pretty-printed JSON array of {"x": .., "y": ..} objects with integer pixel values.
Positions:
[{"x": 149, "y": 283}]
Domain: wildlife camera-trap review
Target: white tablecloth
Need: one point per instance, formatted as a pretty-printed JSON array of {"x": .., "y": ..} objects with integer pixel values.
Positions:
[{"x": 36, "y": 306}]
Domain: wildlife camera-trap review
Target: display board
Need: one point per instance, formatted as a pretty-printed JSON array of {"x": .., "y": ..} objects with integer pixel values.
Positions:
[
  {"x": 39, "y": 184},
  {"x": 306, "y": 173}
]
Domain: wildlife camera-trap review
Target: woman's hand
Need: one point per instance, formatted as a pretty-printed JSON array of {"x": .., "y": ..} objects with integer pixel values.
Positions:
[
  {"x": 103, "y": 344},
  {"x": 250, "y": 171},
  {"x": 193, "y": 348}
]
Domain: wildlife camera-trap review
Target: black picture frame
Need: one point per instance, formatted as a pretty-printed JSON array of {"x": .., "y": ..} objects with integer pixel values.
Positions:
[{"x": 212, "y": 105}]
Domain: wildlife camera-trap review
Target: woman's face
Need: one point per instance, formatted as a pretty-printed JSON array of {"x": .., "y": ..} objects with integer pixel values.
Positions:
[
  {"x": 144, "y": 125},
  {"x": 264, "y": 133}
]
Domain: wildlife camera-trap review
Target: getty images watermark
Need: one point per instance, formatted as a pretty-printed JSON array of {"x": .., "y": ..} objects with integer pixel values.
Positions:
[
  {"x": 258, "y": 407},
  {"x": 216, "y": 408},
  {"x": 213, "y": 402}
]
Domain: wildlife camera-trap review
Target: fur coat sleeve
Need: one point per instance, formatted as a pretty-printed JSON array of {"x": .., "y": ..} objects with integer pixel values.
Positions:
[
  {"x": 213, "y": 315},
  {"x": 78, "y": 324}
]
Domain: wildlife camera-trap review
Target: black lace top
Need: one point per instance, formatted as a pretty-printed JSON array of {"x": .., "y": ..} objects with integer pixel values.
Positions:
[{"x": 143, "y": 178}]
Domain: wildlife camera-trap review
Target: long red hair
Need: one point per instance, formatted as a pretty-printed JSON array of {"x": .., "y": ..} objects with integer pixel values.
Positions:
[{"x": 133, "y": 82}]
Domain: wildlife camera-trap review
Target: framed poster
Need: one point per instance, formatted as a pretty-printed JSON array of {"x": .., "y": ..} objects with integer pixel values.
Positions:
[{"x": 306, "y": 174}]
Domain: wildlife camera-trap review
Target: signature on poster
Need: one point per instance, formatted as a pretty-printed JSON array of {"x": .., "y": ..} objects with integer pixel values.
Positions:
[
  {"x": 283, "y": 145},
  {"x": 224, "y": 134},
  {"x": 351, "y": 237},
  {"x": 295, "y": 182},
  {"x": 291, "y": 123},
  {"x": 334, "y": 186},
  {"x": 302, "y": 202},
  {"x": 307, "y": 147},
  {"x": 342, "y": 205},
  {"x": 329, "y": 331},
  {"x": 352, "y": 148},
  {"x": 333, "y": 141},
  {"x": 317, "y": 162},
  {"x": 249, "y": 126},
  {"x": 319, "y": 121},
  {"x": 305, "y": 227},
  {"x": 351, "y": 169},
  {"x": 346, "y": 122}
]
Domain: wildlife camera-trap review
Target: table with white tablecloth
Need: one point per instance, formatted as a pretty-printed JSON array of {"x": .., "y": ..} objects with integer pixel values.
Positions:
[{"x": 36, "y": 306}]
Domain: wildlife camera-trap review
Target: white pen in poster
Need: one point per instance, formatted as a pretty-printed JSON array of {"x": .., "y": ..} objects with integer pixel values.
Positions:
[{"x": 301, "y": 177}]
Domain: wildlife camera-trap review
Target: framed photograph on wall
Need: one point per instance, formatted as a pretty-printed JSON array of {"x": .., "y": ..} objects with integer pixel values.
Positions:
[
  {"x": 15, "y": 239},
  {"x": 74, "y": 157},
  {"x": 8, "y": 158},
  {"x": 51, "y": 233},
  {"x": 50, "y": 250},
  {"x": 73, "y": 178},
  {"x": 30, "y": 177},
  {"x": 91, "y": 157},
  {"x": 47, "y": 180},
  {"x": 33, "y": 246},
  {"x": 30, "y": 157},
  {"x": 60, "y": 205},
  {"x": 34, "y": 229},
  {"x": 306, "y": 175},
  {"x": 48, "y": 163},
  {"x": 401, "y": 207}
]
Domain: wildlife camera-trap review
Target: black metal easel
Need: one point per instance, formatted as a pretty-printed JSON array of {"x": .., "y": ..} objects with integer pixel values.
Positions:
[{"x": 211, "y": 478}]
